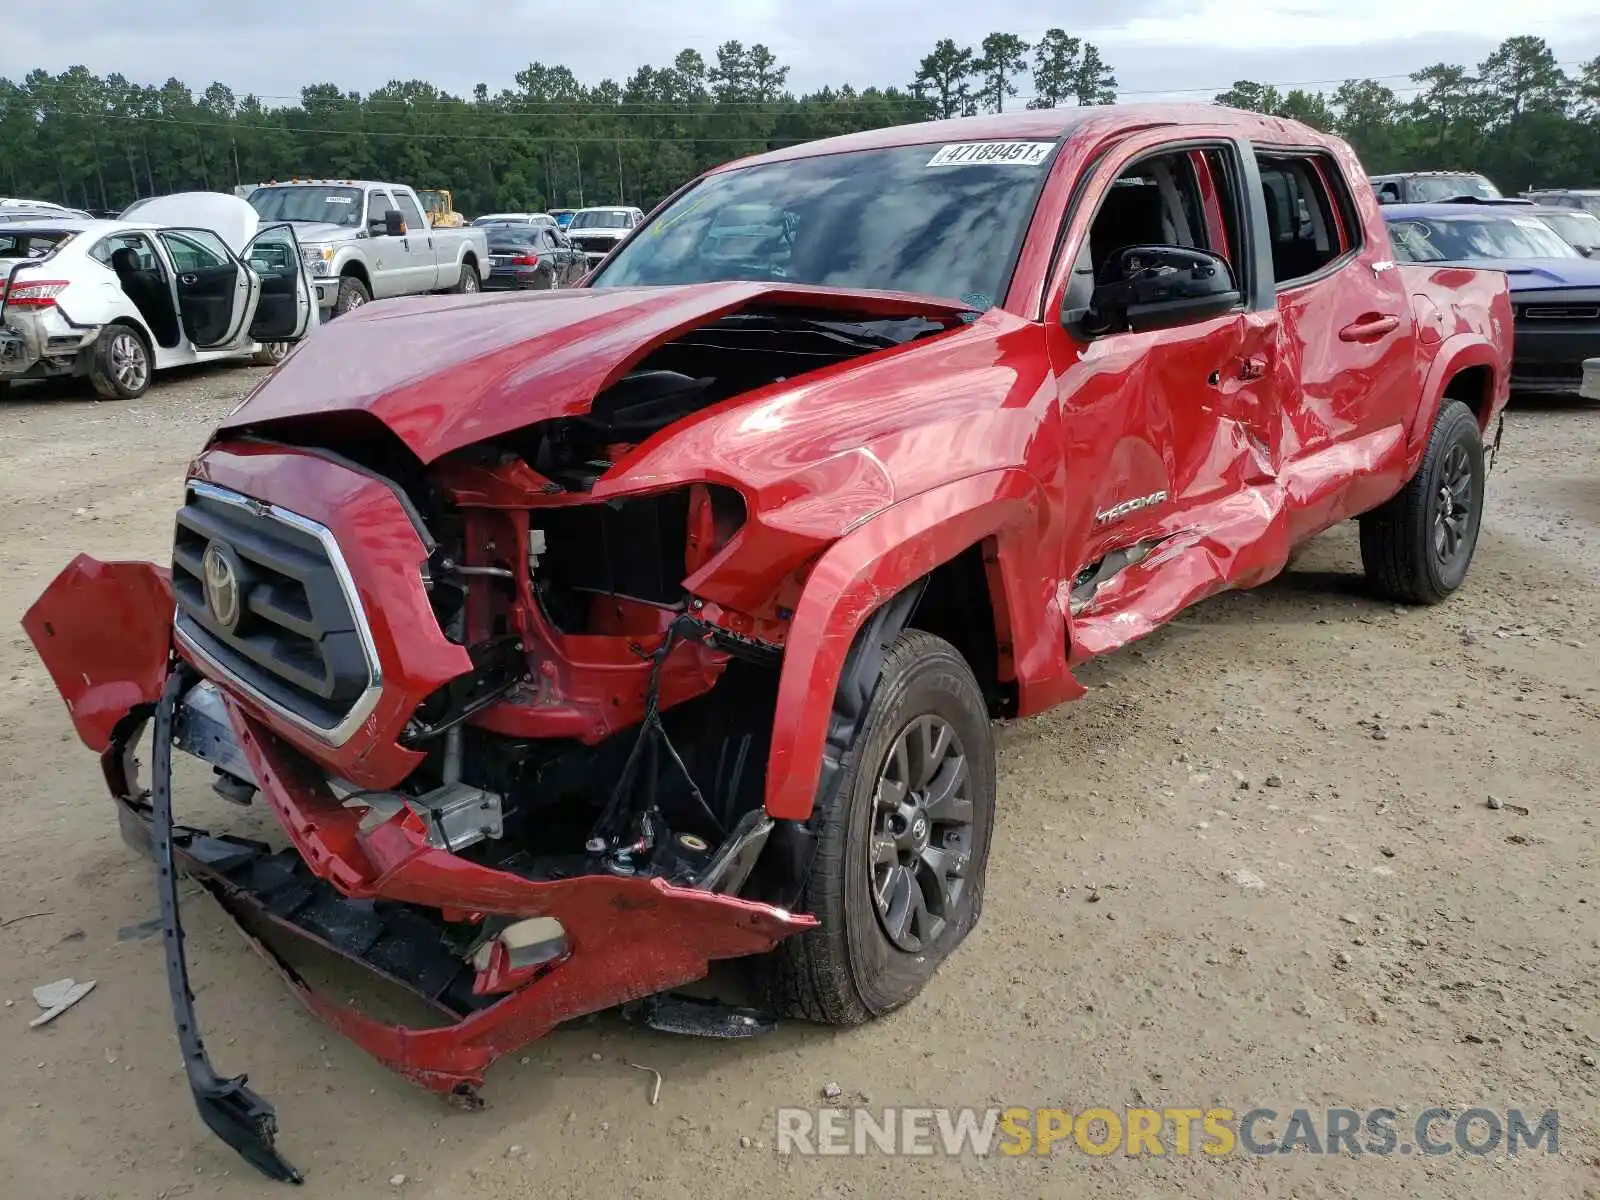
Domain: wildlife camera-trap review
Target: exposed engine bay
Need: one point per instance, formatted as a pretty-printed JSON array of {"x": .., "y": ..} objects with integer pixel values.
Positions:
[{"x": 560, "y": 601}]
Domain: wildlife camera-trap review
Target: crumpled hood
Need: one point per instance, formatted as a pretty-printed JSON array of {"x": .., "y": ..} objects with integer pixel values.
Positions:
[{"x": 445, "y": 372}]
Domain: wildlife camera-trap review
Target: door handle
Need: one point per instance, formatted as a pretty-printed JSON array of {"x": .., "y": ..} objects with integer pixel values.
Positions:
[
  {"x": 189, "y": 280},
  {"x": 1369, "y": 327}
]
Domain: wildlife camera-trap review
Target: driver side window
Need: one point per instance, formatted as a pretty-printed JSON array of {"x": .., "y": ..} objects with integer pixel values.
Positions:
[
  {"x": 1178, "y": 209},
  {"x": 1155, "y": 202}
]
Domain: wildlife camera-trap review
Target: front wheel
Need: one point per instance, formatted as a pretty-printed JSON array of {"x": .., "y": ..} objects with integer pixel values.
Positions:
[
  {"x": 898, "y": 877},
  {"x": 1416, "y": 548},
  {"x": 119, "y": 364},
  {"x": 469, "y": 281},
  {"x": 352, "y": 294}
]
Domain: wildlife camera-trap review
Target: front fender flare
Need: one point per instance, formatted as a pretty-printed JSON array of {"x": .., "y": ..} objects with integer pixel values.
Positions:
[{"x": 867, "y": 567}]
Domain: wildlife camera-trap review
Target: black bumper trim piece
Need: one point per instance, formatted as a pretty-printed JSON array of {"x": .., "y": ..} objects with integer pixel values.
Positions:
[{"x": 230, "y": 1109}]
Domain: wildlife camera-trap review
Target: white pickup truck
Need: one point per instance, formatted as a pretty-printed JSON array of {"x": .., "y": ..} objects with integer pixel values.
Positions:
[{"x": 366, "y": 241}]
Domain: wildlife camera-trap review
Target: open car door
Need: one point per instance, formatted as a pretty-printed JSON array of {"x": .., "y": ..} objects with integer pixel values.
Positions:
[
  {"x": 287, "y": 309},
  {"x": 216, "y": 293}
]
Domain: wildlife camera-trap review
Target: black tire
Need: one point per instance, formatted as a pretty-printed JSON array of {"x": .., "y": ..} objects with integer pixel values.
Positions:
[
  {"x": 120, "y": 365},
  {"x": 849, "y": 969},
  {"x": 469, "y": 283},
  {"x": 271, "y": 353},
  {"x": 352, "y": 294},
  {"x": 1414, "y": 549}
]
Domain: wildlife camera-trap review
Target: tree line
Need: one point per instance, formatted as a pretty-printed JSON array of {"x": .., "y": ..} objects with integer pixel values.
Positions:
[
  {"x": 1518, "y": 117},
  {"x": 551, "y": 141}
]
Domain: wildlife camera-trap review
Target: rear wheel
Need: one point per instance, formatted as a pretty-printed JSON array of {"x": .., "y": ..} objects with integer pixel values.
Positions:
[
  {"x": 469, "y": 281},
  {"x": 1417, "y": 547},
  {"x": 119, "y": 365},
  {"x": 271, "y": 354},
  {"x": 352, "y": 294},
  {"x": 898, "y": 877}
]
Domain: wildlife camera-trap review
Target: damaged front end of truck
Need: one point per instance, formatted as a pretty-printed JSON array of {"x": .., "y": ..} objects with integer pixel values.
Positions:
[{"x": 490, "y": 603}]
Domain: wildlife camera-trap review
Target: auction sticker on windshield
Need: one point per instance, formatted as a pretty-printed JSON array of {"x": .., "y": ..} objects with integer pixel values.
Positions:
[{"x": 1007, "y": 154}]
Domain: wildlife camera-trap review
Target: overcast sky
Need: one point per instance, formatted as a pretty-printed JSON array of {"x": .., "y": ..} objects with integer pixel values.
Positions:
[{"x": 1182, "y": 48}]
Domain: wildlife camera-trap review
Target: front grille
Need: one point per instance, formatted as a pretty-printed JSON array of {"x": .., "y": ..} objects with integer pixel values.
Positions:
[
  {"x": 594, "y": 245},
  {"x": 1561, "y": 312},
  {"x": 298, "y": 641}
]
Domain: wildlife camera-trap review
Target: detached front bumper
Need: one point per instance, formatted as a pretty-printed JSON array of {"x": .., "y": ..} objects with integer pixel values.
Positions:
[
  {"x": 624, "y": 938},
  {"x": 453, "y": 932}
]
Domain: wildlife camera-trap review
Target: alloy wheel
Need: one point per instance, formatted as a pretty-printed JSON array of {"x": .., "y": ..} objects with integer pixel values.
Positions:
[
  {"x": 1453, "y": 501},
  {"x": 130, "y": 366},
  {"x": 921, "y": 832}
]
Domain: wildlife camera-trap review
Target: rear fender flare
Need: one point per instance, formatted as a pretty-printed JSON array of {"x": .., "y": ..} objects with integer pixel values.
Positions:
[
  {"x": 864, "y": 576},
  {"x": 1456, "y": 354}
]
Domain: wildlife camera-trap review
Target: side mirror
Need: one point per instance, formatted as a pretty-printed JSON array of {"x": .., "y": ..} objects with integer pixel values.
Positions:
[
  {"x": 1158, "y": 287},
  {"x": 1587, "y": 251}
]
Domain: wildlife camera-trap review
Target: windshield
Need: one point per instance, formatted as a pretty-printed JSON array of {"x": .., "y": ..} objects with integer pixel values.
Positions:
[
  {"x": 939, "y": 221},
  {"x": 1578, "y": 227},
  {"x": 334, "y": 205},
  {"x": 1476, "y": 239},
  {"x": 1448, "y": 187},
  {"x": 609, "y": 218}
]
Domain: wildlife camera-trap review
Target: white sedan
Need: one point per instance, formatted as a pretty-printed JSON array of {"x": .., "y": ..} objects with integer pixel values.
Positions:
[{"x": 192, "y": 281}]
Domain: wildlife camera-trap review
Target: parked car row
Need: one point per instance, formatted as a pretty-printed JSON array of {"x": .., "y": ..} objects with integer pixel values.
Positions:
[
  {"x": 1555, "y": 288},
  {"x": 593, "y": 232},
  {"x": 201, "y": 276}
]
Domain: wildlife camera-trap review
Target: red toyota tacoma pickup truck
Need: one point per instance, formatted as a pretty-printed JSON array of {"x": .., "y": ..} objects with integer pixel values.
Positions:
[{"x": 576, "y": 640}]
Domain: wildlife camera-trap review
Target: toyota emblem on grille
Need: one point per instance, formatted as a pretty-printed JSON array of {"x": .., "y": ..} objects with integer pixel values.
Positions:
[{"x": 221, "y": 579}]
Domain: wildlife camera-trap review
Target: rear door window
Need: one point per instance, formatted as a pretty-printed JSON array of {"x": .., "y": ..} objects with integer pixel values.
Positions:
[
  {"x": 412, "y": 214},
  {"x": 143, "y": 252},
  {"x": 1311, "y": 219}
]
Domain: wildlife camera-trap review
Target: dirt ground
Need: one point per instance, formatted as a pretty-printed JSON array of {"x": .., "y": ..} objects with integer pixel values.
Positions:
[{"x": 1407, "y": 946}]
